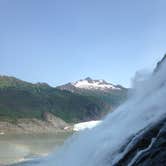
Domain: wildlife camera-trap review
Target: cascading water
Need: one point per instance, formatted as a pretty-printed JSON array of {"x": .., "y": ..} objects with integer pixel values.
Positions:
[{"x": 102, "y": 145}]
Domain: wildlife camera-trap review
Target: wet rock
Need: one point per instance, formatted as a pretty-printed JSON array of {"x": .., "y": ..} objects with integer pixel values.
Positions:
[{"x": 148, "y": 147}]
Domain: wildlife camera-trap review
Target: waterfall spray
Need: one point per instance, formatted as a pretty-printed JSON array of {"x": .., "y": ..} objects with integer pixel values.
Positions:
[{"x": 101, "y": 146}]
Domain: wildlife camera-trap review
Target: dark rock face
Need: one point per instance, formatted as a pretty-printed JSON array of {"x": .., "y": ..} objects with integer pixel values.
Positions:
[
  {"x": 147, "y": 148},
  {"x": 159, "y": 64}
]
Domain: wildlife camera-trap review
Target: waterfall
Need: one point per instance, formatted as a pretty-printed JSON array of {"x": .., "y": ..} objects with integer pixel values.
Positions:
[{"x": 101, "y": 146}]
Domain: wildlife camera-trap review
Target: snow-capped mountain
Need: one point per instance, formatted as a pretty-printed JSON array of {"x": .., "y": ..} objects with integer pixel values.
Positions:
[
  {"x": 107, "y": 93},
  {"x": 90, "y": 84}
]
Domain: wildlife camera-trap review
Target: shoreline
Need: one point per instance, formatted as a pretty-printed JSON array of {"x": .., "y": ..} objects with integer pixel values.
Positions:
[
  {"x": 50, "y": 124},
  {"x": 35, "y": 142},
  {"x": 36, "y": 126},
  {"x": 33, "y": 126}
]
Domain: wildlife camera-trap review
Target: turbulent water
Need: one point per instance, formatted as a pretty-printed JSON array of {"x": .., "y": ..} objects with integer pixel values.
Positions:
[{"x": 102, "y": 145}]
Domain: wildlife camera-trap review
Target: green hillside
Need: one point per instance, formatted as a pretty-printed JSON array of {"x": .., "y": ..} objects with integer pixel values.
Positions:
[
  {"x": 113, "y": 97},
  {"x": 20, "y": 99}
]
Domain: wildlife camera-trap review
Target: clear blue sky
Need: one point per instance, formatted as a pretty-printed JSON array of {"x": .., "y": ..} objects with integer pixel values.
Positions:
[{"x": 58, "y": 41}]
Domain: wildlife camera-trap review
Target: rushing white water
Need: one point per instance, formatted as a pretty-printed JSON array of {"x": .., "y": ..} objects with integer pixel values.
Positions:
[{"x": 99, "y": 146}]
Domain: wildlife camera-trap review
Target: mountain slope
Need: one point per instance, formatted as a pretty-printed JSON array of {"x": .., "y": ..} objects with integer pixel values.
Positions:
[
  {"x": 90, "y": 84},
  {"x": 109, "y": 93},
  {"x": 20, "y": 99}
]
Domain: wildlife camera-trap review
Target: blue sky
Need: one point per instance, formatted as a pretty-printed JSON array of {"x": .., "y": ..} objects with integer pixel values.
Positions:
[{"x": 58, "y": 41}]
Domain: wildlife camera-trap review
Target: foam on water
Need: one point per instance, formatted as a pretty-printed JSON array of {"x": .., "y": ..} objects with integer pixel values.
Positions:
[{"x": 100, "y": 146}]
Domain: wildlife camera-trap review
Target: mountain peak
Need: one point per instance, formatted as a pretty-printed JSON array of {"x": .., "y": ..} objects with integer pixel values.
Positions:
[
  {"x": 89, "y": 83},
  {"x": 88, "y": 79},
  {"x": 159, "y": 64}
]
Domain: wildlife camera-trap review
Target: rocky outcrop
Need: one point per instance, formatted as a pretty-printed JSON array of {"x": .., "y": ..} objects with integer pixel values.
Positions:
[
  {"x": 147, "y": 148},
  {"x": 50, "y": 124}
]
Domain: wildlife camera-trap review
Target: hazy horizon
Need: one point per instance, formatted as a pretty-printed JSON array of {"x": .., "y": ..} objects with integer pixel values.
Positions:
[{"x": 58, "y": 42}]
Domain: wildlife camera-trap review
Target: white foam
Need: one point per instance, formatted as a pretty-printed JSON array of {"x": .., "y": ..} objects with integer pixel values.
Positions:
[{"x": 99, "y": 146}]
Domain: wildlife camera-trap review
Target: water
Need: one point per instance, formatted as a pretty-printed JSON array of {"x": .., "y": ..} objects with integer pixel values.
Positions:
[
  {"x": 20, "y": 147},
  {"x": 101, "y": 146}
]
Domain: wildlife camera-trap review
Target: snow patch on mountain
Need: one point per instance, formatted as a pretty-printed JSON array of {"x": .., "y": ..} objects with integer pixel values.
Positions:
[{"x": 88, "y": 83}]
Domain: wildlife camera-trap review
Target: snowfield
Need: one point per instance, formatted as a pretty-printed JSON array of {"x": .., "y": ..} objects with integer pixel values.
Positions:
[
  {"x": 86, "y": 125},
  {"x": 94, "y": 84}
]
